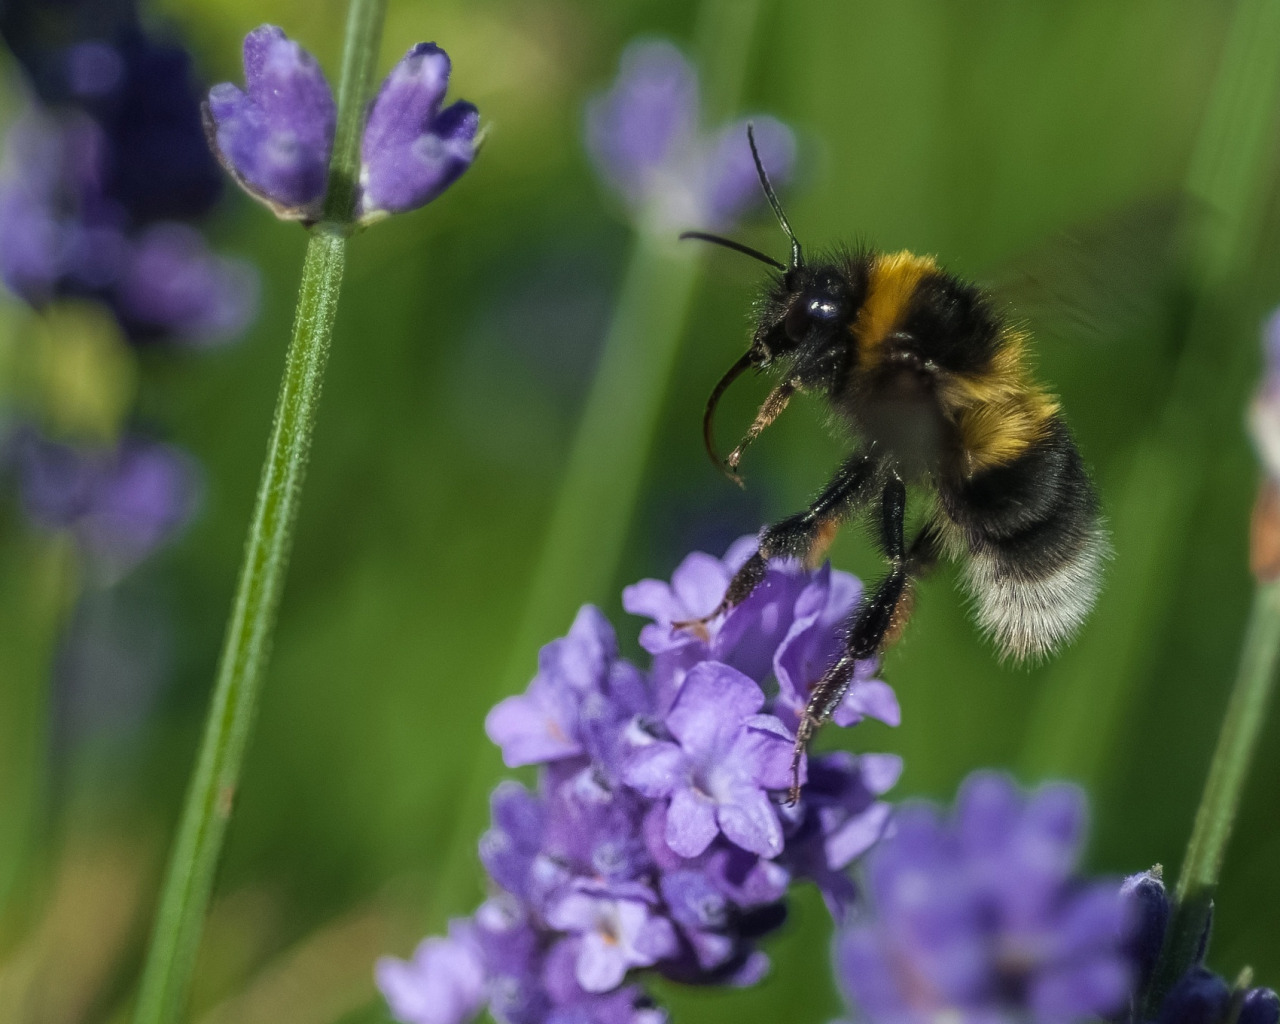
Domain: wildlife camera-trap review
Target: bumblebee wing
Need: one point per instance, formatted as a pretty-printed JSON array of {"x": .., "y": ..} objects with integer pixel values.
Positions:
[
  {"x": 1109, "y": 278},
  {"x": 1033, "y": 545}
]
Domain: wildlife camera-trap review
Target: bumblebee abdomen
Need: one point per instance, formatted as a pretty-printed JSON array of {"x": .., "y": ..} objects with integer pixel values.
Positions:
[{"x": 1034, "y": 541}]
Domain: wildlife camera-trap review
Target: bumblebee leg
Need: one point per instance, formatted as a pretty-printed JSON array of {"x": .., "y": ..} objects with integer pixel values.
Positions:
[
  {"x": 873, "y": 623},
  {"x": 797, "y": 536}
]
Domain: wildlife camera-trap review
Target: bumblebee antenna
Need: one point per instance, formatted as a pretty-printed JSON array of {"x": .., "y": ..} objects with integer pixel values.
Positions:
[
  {"x": 708, "y": 418},
  {"x": 729, "y": 243},
  {"x": 797, "y": 255}
]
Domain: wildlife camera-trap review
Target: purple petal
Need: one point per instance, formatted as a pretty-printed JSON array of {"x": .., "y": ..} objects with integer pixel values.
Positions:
[
  {"x": 751, "y": 822},
  {"x": 712, "y": 705},
  {"x": 174, "y": 285},
  {"x": 732, "y": 182},
  {"x": 412, "y": 150},
  {"x": 691, "y": 823},
  {"x": 868, "y": 698},
  {"x": 656, "y": 770},
  {"x": 602, "y": 963},
  {"x": 767, "y": 746},
  {"x": 444, "y": 983},
  {"x": 648, "y": 115},
  {"x": 276, "y": 137},
  {"x": 532, "y": 728}
]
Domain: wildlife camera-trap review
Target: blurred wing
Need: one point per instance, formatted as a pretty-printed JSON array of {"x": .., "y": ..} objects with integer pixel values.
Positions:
[{"x": 1101, "y": 280}]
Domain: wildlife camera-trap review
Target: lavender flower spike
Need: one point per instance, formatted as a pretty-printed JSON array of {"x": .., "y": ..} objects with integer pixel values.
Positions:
[
  {"x": 981, "y": 916},
  {"x": 275, "y": 137},
  {"x": 412, "y": 150}
]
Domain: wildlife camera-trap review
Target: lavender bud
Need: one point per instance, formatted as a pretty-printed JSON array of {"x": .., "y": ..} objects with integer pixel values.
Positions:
[
  {"x": 276, "y": 136},
  {"x": 413, "y": 150}
]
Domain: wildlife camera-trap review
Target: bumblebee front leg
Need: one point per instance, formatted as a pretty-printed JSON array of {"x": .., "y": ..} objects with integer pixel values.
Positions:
[
  {"x": 800, "y": 535},
  {"x": 873, "y": 623}
]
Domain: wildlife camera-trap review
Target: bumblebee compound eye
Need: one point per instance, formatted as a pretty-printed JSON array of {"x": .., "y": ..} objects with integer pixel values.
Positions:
[{"x": 827, "y": 302}]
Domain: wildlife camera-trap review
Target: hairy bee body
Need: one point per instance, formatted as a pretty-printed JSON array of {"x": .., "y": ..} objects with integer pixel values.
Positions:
[{"x": 934, "y": 383}]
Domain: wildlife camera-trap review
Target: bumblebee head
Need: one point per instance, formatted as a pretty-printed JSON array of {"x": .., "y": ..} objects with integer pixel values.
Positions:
[
  {"x": 806, "y": 313},
  {"x": 805, "y": 317}
]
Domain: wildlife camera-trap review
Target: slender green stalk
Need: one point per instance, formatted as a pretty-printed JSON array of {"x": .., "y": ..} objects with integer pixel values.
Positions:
[
  {"x": 1237, "y": 744},
  {"x": 38, "y": 591},
  {"x": 194, "y": 859},
  {"x": 597, "y": 497}
]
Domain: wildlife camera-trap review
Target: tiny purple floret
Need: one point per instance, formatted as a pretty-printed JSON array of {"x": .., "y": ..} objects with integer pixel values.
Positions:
[
  {"x": 444, "y": 982},
  {"x": 412, "y": 149},
  {"x": 275, "y": 136}
]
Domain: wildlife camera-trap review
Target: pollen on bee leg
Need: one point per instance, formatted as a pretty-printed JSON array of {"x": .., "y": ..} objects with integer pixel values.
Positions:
[
  {"x": 901, "y": 615},
  {"x": 698, "y": 627},
  {"x": 821, "y": 543},
  {"x": 775, "y": 402}
]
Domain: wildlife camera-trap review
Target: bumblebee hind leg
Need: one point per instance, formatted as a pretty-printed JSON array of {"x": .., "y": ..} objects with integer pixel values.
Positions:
[
  {"x": 878, "y": 620},
  {"x": 800, "y": 535}
]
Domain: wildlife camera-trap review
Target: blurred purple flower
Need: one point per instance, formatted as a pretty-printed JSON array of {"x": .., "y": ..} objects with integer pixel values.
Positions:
[
  {"x": 142, "y": 92},
  {"x": 657, "y": 838},
  {"x": 172, "y": 285},
  {"x": 412, "y": 150},
  {"x": 443, "y": 983},
  {"x": 120, "y": 503},
  {"x": 982, "y": 917},
  {"x": 63, "y": 233},
  {"x": 643, "y": 136},
  {"x": 275, "y": 137}
]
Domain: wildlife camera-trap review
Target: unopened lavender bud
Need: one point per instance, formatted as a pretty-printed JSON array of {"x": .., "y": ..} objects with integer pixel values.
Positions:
[
  {"x": 412, "y": 149},
  {"x": 1148, "y": 904},
  {"x": 275, "y": 136},
  {"x": 1261, "y": 1006},
  {"x": 1201, "y": 997}
]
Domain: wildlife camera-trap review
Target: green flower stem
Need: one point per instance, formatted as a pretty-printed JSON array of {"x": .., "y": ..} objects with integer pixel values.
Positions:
[
  {"x": 596, "y": 502},
  {"x": 1237, "y": 744},
  {"x": 189, "y": 880},
  {"x": 38, "y": 589}
]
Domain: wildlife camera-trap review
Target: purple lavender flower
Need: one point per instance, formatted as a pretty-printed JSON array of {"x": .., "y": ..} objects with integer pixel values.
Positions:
[
  {"x": 64, "y": 233},
  {"x": 120, "y": 503},
  {"x": 657, "y": 839},
  {"x": 981, "y": 917},
  {"x": 1199, "y": 996},
  {"x": 171, "y": 285},
  {"x": 644, "y": 138},
  {"x": 788, "y": 628},
  {"x": 443, "y": 983},
  {"x": 412, "y": 149},
  {"x": 614, "y": 934},
  {"x": 724, "y": 756},
  {"x": 275, "y": 136}
]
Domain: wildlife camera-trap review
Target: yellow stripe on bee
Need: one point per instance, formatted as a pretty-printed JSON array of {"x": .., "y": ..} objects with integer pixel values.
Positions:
[
  {"x": 1000, "y": 413},
  {"x": 893, "y": 280}
]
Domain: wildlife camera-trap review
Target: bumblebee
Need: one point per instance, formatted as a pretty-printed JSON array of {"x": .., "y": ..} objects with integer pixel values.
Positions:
[{"x": 932, "y": 384}]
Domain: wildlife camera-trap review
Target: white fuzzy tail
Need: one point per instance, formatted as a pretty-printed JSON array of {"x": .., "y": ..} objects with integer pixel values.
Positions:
[{"x": 1030, "y": 616}]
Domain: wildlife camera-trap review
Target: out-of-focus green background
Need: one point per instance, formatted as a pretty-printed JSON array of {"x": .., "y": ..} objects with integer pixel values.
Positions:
[{"x": 466, "y": 340}]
